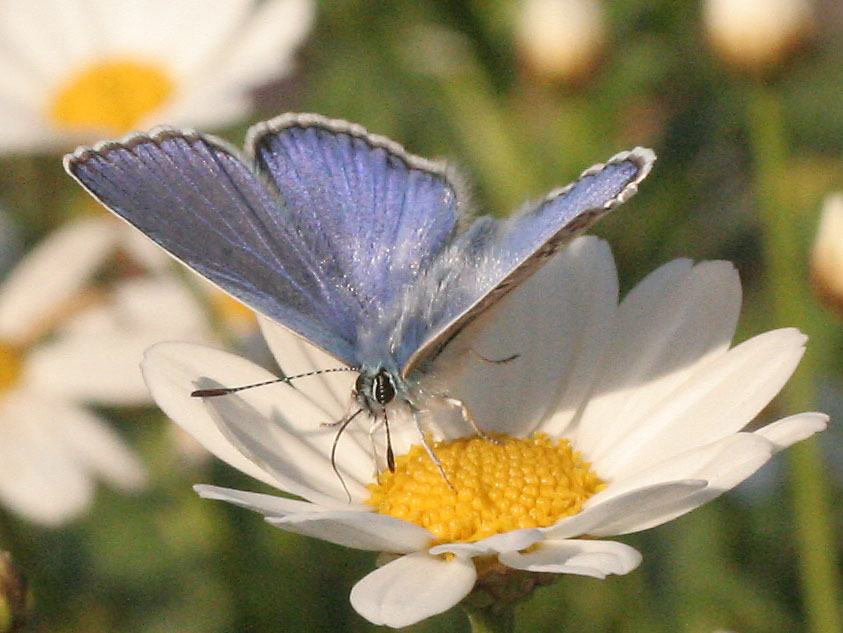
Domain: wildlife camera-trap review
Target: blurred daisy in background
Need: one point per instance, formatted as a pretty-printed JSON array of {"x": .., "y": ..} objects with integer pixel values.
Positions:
[
  {"x": 561, "y": 40},
  {"x": 613, "y": 418},
  {"x": 63, "y": 346},
  {"x": 75, "y": 71},
  {"x": 827, "y": 253},
  {"x": 757, "y": 35}
]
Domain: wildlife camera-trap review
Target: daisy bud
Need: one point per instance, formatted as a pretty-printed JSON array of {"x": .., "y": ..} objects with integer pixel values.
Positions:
[
  {"x": 827, "y": 253},
  {"x": 13, "y": 602},
  {"x": 756, "y": 35},
  {"x": 561, "y": 40}
]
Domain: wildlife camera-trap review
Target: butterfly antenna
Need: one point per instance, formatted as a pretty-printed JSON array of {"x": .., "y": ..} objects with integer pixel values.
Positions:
[
  {"x": 390, "y": 456},
  {"x": 343, "y": 425},
  {"x": 224, "y": 391}
]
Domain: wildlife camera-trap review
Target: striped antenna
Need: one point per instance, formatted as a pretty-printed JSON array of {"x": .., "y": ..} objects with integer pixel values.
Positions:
[{"x": 224, "y": 391}]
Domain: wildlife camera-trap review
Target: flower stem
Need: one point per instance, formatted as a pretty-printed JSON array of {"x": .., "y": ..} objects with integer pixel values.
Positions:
[
  {"x": 492, "y": 619},
  {"x": 792, "y": 304}
]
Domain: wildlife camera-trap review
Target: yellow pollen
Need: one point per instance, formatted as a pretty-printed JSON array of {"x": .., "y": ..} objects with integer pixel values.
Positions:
[
  {"x": 111, "y": 96},
  {"x": 517, "y": 483},
  {"x": 11, "y": 365}
]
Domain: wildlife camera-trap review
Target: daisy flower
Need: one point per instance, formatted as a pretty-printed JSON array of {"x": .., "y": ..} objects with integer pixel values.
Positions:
[
  {"x": 609, "y": 419},
  {"x": 62, "y": 348},
  {"x": 76, "y": 70}
]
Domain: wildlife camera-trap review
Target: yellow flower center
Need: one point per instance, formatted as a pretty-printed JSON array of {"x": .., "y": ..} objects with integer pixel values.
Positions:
[
  {"x": 111, "y": 96},
  {"x": 494, "y": 488},
  {"x": 11, "y": 366}
]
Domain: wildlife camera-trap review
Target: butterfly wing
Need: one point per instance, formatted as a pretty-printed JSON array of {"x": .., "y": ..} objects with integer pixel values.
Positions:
[
  {"x": 281, "y": 243},
  {"x": 493, "y": 256},
  {"x": 383, "y": 214}
]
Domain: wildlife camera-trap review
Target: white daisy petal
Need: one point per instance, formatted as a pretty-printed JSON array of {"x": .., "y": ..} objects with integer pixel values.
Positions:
[
  {"x": 170, "y": 371},
  {"x": 267, "y": 42},
  {"x": 331, "y": 391},
  {"x": 795, "y": 428},
  {"x": 284, "y": 434},
  {"x": 675, "y": 321},
  {"x": 412, "y": 588},
  {"x": 97, "y": 353},
  {"x": 358, "y": 530},
  {"x": 723, "y": 464},
  {"x": 597, "y": 559},
  {"x": 507, "y": 542},
  {"x": 707, "y": 406},
  {"x": 104, "y": 369},
  {"x": 39, "y": 478},
  {"x": 190, "y": 63},
  {"x": 600, "y": 510},
  {"x": 206, "y": 32},
  {"x": 274, "y": 428},
  {"x": 141, "y": 249},
  {"x": 569, "y": 304},
  {"x": 268, "y": 505},
  {"x": 52, "y": 274},
  {"x": 96, "y": 446}
]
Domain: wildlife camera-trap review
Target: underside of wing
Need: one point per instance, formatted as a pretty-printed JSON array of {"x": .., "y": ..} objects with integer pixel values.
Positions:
[
  {"x": 194, "y": 197},
  {"x": 493, "y": 256}
]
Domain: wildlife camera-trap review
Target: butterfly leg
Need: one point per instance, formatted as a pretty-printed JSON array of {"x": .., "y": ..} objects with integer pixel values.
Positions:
[
  {"x": 427, "y": 447},
  {"x": 377, "y": 423},
  {"x": 466, "y": 416}
]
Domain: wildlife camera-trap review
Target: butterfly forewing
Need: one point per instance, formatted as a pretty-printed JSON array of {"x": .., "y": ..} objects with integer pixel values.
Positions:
[{"x": 195, "y": 198}]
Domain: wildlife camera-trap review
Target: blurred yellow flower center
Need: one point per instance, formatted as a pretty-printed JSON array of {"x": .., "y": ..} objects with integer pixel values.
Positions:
[
  {"x": 517, "y": 483},
  {"x": 112, "y": 96},
  {"x": 232, "y": 313},
  {"x": 11, "y": 365}
]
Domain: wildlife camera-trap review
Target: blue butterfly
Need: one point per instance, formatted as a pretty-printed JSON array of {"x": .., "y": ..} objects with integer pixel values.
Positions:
[{"x": 341, "y": 236}]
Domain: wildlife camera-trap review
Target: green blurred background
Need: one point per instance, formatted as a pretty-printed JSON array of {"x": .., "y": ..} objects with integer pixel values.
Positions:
[{"x": 446, "y": 79}]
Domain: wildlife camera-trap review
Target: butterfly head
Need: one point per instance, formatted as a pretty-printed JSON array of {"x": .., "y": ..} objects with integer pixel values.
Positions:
[{"x": 375, "y": 389}]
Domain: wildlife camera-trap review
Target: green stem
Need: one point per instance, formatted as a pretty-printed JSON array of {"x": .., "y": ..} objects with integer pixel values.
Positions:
[
  {"x": 492, "y": 619},
  {"x": 793, "y": 305},
  {"x": 485, "y": 129}
]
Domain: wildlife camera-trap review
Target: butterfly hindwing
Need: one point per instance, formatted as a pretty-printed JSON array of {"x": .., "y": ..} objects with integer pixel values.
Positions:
[{"x": 493, "y": 256}]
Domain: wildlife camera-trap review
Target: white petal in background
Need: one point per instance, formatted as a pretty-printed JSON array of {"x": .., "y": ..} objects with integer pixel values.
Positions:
[
  {"x": 50, "y": 454},
  {"x": 96, "y": 355},
  {"x": 50, "y": 276}
]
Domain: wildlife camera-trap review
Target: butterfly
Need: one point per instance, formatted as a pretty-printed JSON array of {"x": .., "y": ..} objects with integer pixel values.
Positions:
[{"x": 366, "y": 251}]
